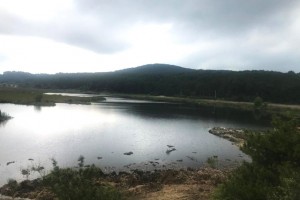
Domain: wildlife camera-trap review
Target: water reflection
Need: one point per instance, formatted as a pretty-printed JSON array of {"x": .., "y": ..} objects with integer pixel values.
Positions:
[
  {"x": 66, "y": 131},
  {"x": 2, "y": 123},
  {"x": 236, "y": 117},
  {"x": 37, "y": 108}
]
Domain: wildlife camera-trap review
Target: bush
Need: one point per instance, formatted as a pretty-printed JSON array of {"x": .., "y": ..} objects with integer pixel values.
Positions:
[
  {"x": 79, "y": 183},
  {"x": 275, "y": 169},
  {"x": 212, "y": 162},
  {"x": 38, "y": 98},
  {"x": 259, "y": 104}
]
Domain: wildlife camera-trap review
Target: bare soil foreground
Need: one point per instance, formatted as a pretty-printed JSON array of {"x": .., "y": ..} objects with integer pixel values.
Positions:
[{"x": 157, "y": 185}]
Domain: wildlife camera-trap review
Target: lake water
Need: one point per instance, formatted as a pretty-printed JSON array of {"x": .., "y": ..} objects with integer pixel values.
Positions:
[{"x": 110, "y": 129}]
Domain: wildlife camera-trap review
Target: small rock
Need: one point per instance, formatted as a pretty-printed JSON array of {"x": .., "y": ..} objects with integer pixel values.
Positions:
[
  {"x": 191, "y": 158},
  {"x": 11, "y": 162},
  {"x": 99, "y": 157},
  {"x": 170, "y": 150},
  {"x": 128, "y": 153}
]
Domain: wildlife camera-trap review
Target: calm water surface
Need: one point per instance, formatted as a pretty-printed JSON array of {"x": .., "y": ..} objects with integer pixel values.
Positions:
[{"x": 110, "y": 129}]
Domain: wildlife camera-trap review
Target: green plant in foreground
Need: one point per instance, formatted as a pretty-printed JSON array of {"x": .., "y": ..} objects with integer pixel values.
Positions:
[
  {"x": 12, "y": 183},
  {"x": 212, "y": 162},
  {"x": 81, "y": 184},
  {"x": 274, "y": 173}
]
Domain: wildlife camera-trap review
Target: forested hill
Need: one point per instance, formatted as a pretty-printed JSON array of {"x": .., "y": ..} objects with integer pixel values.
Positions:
[
  {"x": 170, "y": 80},
  {"x": 156, "y": 69}
]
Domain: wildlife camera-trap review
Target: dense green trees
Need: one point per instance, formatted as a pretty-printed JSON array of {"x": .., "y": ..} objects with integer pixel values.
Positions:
[
  {"x": 274, "y": 172},
  {"x": 159, "y": 79}
]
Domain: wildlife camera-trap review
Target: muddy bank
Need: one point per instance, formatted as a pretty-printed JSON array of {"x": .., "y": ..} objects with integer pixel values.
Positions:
[{"x": 160, "y": 184}]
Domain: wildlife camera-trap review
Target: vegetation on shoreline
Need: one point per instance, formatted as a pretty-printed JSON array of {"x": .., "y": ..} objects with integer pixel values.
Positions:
[
  {"x": 265, "y": 108},
  {"x": 27, "y": 96},
  {"x": 274, "y": 173},
  {"x": 80, "y": 183},
  {"x": 4, "y": 116},
  {"x": 90, "y": 182}
]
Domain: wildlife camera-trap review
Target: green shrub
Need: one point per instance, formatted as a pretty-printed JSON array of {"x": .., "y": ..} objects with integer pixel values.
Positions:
[
  {"x": 212, "y": 162},
  {"x": 81, "y": 184},
  {"x": 38, "y": 98},
  {"x": 275, "y": 169}
]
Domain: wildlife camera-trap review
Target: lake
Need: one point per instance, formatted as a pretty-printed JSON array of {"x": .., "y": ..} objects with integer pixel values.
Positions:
[{"x": 103, "y": 132}]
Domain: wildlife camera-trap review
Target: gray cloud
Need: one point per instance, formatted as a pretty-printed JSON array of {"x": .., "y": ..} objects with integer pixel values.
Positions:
[
  {"x": 74, "y": 29},
  {"x": 199, "y": 15},
  {"x": 9, "y": 24},
  {"x": 252, "y": 33}
]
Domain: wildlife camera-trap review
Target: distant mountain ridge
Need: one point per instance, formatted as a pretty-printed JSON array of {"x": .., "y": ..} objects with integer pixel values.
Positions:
[
  {"x": 172, "y": 80},
  {"x": 156, "y": 69}
]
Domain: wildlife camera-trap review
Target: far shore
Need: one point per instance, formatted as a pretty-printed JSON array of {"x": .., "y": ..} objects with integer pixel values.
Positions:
[
  {"x": 37, "y": 97},
  {"x": 30, "y": 96},
  {"x": 272, "y": 108}
]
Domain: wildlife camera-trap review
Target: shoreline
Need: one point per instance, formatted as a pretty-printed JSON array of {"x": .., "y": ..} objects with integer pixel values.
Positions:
[
  {"x": 235, "y": 135},
  {"x": 188, "y": 163},
  {"x": 142, "y": 183},
  {"x": 29, "y": 96},
  {"x": 166, "y": 184},
  {"x": 272, "y": 108},
  {"x": 37, "y": 97}
]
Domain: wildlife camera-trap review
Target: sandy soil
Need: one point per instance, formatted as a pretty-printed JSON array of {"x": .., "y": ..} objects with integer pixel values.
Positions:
[{"x": 184, "y": 185}]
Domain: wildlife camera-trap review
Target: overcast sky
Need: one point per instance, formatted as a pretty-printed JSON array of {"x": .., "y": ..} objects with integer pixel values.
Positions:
[{"x": 49, "y": 36}]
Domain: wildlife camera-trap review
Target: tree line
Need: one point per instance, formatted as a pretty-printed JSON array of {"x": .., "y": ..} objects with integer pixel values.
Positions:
[{"x": 169, "y": 80}]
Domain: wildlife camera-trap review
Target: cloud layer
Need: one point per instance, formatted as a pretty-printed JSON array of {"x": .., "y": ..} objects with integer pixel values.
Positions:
[{"x": 102, "y": 35}]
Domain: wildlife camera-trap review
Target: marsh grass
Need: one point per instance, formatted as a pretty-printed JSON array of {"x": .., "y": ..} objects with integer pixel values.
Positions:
[
  {"x": 81, "y": 183},
  {"x": 212, "y": 162},
  {"x": 76, "y": 183},
  {"x": 27, "y": 96}
]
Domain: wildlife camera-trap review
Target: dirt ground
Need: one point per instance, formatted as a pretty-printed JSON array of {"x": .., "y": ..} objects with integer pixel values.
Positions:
[{"x": 185, "y": 185}]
